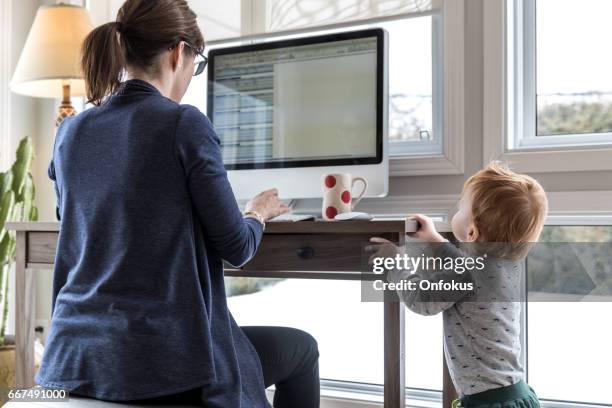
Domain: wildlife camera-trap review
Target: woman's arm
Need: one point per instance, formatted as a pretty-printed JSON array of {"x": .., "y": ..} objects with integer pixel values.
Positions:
[
  {"x": 51, "y": 174},
  {"x": 197, "y": 147},
  {"x": 51, "y": 169}
]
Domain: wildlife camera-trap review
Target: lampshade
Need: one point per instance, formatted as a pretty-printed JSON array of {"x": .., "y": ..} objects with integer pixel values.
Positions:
[{"x": 52, "y": 53}]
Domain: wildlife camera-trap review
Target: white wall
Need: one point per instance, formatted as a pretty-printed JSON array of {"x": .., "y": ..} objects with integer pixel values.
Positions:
[
  {"x": 222, "y": 19},
  {"x": 102, "y": 10},
  {"x": 24, "y": 110}
]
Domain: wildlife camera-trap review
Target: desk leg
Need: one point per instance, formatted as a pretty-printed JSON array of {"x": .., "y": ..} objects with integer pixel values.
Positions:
[
  {"x": 395, "y": 391},
  {"x": 24, "y": 319},
  {"x": 448, "y": 389}
]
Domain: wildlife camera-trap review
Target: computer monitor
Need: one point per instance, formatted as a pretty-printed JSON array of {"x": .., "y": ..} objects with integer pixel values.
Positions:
[{"x": 289, "y": 111}]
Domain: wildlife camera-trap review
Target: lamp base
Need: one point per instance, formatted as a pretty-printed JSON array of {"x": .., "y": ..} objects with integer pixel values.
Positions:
[{"x": 66, "y": 109}]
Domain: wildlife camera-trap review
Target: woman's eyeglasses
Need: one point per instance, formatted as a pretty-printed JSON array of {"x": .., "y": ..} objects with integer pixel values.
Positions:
[{"x": 200, "y": 62}]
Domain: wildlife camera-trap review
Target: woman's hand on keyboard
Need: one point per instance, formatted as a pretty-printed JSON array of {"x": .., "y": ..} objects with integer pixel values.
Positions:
[{"x": 267, "y": 204}]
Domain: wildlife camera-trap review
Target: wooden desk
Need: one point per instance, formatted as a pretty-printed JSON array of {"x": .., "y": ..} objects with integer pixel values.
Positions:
[{"x": 304, "y": 250}]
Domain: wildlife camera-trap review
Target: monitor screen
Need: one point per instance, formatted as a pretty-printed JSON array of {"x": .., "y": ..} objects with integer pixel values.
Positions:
[{"x": 296, "y": 103}]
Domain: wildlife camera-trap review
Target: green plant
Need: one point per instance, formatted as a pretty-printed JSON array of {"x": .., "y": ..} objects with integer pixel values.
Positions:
[
  {"x": 577, "y": 117},
  {"x": 16, "y": 204}
]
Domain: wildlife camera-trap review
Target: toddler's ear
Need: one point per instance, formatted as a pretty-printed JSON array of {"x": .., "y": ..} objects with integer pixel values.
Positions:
[{"x": 473, "y": 233}]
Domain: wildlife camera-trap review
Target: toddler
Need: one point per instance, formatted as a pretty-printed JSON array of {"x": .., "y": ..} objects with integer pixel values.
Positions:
[{"x": 482, "y": 326}]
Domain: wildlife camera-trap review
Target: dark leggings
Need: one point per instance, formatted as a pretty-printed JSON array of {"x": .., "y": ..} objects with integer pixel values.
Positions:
[{"x": 289, "y": 359}]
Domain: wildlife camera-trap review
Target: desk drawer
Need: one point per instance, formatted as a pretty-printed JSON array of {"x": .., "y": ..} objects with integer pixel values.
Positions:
[
  {"x": 277, "y": 252},
  {"x": 311, "y": 252},
  {"x": 41, "y": 247}
]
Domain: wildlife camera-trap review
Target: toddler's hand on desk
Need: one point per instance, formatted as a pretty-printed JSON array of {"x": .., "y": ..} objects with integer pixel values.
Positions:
[
  {"x": 426, "y": 229},
  {"x": 267, "y": 204},
  {"x": 382, "y": 248}
]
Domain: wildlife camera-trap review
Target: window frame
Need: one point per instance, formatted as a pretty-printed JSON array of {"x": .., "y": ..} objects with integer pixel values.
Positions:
[
  {"x": 435, "y": 146},
  {"x": 450, "y": 116},
  {"x": 584, "y": 218},
  {"x": 522, "y": 58},
  {"x": 502, "y": 111}
]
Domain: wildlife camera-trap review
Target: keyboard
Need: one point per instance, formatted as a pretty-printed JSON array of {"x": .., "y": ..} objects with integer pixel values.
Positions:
[{"x": 289, "y": 217}]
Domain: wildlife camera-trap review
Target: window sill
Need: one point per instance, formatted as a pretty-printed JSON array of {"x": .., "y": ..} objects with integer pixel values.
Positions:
[
  {"x": 563, "y": 142},
  {"x": 446, "y": 164},
  {"x": 336, "y": 397},
  {"x": 547, "y": 154},
  {"x": 337, "y": 394},
  {"x": 549, "y": 161}
]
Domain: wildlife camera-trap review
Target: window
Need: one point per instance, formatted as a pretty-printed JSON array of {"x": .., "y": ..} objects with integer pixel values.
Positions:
[
  {"x": 344, "y": 327},
  {"x": 292, "y": 14},
  {"x": 568, "y": 355},
  {"x": 562, "y": 90},
  {"x": 424, "y": 352},
  {"x": 415, "y": 103}
]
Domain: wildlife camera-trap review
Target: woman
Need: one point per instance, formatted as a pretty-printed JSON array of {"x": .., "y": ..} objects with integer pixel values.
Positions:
[{"x": 147, "y": 218}]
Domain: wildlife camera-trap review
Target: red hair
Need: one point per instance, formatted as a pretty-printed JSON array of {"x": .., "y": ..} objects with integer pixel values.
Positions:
[{"x": 507, "y": 207}]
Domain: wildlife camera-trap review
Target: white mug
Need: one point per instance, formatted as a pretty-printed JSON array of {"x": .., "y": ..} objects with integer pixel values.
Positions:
[{"x": 338, "y": 194}]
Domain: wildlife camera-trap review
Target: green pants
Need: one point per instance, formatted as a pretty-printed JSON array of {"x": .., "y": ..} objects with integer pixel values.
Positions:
[{"x": 519, "y": 395}]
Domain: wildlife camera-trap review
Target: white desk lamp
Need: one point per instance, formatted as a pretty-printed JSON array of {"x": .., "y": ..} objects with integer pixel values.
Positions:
[{"x": 49, "y": 65}]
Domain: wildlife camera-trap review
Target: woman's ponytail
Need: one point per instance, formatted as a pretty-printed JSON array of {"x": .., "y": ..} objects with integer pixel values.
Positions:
[
  {"x": 143, "y": 30},
  {"x": 102, "y": 62}
]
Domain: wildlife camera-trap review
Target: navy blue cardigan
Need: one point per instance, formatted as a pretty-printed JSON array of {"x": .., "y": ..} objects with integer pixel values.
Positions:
[{"x": 147, "y": 216}]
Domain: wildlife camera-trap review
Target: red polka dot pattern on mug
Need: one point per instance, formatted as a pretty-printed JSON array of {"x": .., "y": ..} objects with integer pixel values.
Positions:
[
  {"x": 331, "y": 212},
  {"x": 346, "y": 196},
  {"x": 338, "y": 197},
  {"x": 330, "y": 181}
]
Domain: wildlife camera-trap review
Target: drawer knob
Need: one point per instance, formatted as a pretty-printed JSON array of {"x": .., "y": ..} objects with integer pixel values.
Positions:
[{"x": 305, "y": 252}]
